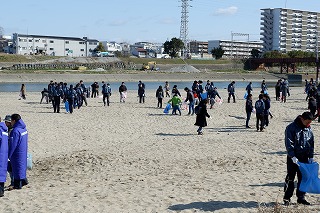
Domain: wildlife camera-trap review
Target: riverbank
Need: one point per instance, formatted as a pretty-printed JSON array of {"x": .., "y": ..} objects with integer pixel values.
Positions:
[{"x": 134, "y": 77}]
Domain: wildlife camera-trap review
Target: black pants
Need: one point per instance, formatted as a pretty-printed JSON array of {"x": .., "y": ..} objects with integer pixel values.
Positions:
[
  {"x": 160, "y": 102},
  {"x": 292, "y": 170},
  {"x": 266, "y": 119},
  {"x": 234, "y": 98},
  {"x": 1, "y": 189},
  {"x": 141, "y": 98},
  {"x": 106, "y": 95},
  {"x": 70, "y": 100},
  {"x": 260, "y": 120},
  {"x": 248, "y": 119},
  {"x": 56, "y": 104}
]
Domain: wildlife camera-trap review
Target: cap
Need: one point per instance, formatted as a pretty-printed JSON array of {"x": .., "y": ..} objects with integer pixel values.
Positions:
[{"x": 7, "y": 118}]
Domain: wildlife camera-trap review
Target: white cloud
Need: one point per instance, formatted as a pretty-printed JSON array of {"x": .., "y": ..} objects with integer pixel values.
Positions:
[
  {"x": 226, "y": 11},
  {"x": 118, "y": 23}
]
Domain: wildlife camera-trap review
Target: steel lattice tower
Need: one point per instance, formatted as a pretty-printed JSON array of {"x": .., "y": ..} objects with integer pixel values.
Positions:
[{"x": 184, "y": 27}]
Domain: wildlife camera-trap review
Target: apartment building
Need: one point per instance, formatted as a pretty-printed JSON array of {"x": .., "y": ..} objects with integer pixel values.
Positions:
[
  {"x": 52, "y": 45},
  {"x": 286, "y": 29},
  {"x": 235, "y": 49}
]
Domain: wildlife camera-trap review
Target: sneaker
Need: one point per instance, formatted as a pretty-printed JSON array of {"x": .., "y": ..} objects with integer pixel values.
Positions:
[
  {"x": 303, "y": 201},
  {"x": 248, "y": 127},
  {"x": 200, "y": 133},
  {"x": 286, "y": 202}
]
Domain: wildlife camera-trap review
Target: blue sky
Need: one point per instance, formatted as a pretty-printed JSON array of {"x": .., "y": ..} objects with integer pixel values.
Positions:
[{"x": 140, "y": 20}]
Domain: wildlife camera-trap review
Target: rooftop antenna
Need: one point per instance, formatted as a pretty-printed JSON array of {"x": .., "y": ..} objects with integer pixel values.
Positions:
[{"x": 184, "y": 27}]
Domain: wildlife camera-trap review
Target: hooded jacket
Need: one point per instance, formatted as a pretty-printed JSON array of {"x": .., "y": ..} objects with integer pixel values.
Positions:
[
  {"x": 3, "y": 152},
  {"x": 299, "y": 140},
  {"x": 18, "y": 148}
]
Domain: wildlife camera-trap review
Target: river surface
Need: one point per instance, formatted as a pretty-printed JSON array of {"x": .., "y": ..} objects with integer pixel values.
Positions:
[{"x": 38, "y": 87}]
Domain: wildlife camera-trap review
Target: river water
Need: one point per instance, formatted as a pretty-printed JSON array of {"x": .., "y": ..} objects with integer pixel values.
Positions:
[{"x": 38, "y": 87}]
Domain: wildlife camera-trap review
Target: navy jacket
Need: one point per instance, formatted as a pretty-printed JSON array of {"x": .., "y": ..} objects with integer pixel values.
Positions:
[
  {"x": 299, "y": 140},
  {"x": 3, "y": 152},
  {"x": 18, "y": 148}
]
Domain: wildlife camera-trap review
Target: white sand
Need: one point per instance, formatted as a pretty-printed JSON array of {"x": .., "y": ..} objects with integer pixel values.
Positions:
[{"x": 133, "y": 158}]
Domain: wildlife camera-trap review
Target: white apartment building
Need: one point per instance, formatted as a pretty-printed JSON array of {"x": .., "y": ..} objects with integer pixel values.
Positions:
[
  {"x": 112, "y": 46},
  {"x": 286, "y": 29},
  {"x": 235, "y": 49},
  {"x": 53, "y": 45}
]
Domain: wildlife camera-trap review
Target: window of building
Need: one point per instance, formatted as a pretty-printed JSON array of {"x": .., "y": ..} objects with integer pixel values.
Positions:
[
  {"x": 81, "y": 42},
  {"x": 44, "y": 41},
  {"x": 67, "y": 49},
  {"x": 67, "y": 42},
  {"x": 82, "y": 50},
  {"x": 51, "y": 41},
  {"x": 37, "y": 40},
  {"x": 30, "y": 40},
  {"x": 51, "y": 48}
]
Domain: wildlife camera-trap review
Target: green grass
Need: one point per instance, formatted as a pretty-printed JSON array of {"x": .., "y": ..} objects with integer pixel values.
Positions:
[{"x": 23, "y": 58}]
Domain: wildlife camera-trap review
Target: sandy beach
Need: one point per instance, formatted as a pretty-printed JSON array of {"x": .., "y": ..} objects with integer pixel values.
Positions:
[{"x": 131, "y": 157}]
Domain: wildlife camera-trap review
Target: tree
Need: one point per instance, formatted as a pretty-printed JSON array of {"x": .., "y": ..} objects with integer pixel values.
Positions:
[
  {"x": 275, "y": 54},
  {"x": 255, "y": 53},
  {"x": 217, "y": 52},
  {"x": 173, "y": 47},
  {"x": 100, "y": 48}
]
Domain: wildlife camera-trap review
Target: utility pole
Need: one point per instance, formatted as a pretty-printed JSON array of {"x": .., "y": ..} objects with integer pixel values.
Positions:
[{"x": 184, "y": 27}]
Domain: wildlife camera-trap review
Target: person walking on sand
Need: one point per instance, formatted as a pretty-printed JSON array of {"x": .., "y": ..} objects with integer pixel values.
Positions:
[
  {"x": 123, "y": 92},
  {"x": 202, "y": 114},
  {"x": 141, "y": 93},
  {"x": 159, "y": 95},
  {"x": 212, "y": 96},
  {"x": 231, "y": 91},
  {"x": 18, "y": 149},
  {"x": 23, "y": 92},
  {"x": 167, "y": 89},
  {"x": 299, "y": 143},
  {"x": 259, "y": 106},
  {"x": 249, "y": 88},
  {"x": 176, "y": 101},
  {"x": 3, "y": 156},
  {"x": 190, "y": 98},
  {"x": 106, "y": 92},
  {"x": 249, "y": 109}
]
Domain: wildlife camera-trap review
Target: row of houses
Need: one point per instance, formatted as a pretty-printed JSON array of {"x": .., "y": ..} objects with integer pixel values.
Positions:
[{"x": 23, "y": 44}]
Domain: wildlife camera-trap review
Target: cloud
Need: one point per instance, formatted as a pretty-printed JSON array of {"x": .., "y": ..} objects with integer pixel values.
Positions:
[
  {"x": 226, "y": 11},
  {"x": 118, "y": 23}
]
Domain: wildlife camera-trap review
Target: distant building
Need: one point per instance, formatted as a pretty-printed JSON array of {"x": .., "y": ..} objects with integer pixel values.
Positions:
[
  {"x": 151, "y": 49},
  {"x": 286, "y": 29},
  {"x": 53, "y": 45},
  {"x": 235, "y": 49},
  {"x": 199, "y": 50},
  {"x": 5, "y": 43},
  {"x": 112, "y": 46}
]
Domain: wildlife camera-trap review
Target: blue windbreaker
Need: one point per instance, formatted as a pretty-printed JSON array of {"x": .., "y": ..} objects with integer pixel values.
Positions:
[
  {"x": 18, "y": 149},
  {"x": 3, "y": 152}
]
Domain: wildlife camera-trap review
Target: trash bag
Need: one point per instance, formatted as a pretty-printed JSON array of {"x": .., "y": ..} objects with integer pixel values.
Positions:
[
  {"x": 204, "y": 95},
  {"x": 310, "y": 182},
  {"x": 245, "y": 95},
  {"x": 167, "y": 109}
]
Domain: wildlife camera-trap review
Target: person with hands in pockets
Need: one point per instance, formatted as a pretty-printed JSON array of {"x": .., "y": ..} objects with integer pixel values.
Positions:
[{"x": 299, "y": 142}]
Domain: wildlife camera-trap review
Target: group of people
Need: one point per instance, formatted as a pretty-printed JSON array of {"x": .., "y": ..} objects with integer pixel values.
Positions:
[{"x": 13, "y": 152}]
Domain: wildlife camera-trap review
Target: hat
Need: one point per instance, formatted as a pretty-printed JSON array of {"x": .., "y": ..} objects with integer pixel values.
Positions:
[
  {"x": 307, "y": 116},
  {"x": 7, "y": 118}
]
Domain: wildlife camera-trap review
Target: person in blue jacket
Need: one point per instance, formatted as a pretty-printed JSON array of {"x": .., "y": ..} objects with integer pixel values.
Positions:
[
  {"x": 3, "y": 156},
  {"x": 299, "y": 142},
  {"x": 18, "y": 150}
]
